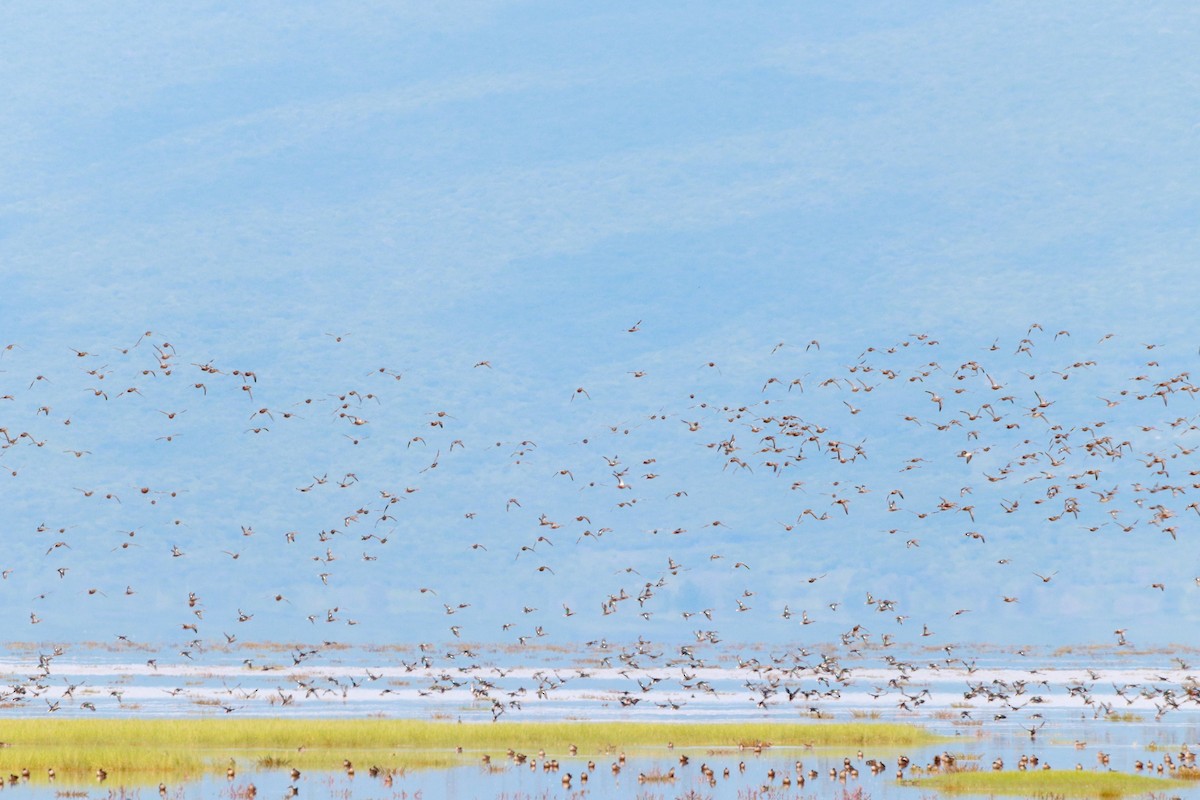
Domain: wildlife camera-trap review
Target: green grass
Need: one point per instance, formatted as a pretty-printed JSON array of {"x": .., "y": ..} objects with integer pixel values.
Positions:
[
  {"x": 179, "y": 748},
  {"x": 1045, "y": 783}
]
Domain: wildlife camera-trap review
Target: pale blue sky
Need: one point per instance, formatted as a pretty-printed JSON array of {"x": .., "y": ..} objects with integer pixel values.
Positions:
[{"x": 521, "y": 183}]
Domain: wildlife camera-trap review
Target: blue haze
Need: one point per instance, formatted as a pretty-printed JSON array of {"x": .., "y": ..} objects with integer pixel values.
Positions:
[{"x": 521, "y": 183}]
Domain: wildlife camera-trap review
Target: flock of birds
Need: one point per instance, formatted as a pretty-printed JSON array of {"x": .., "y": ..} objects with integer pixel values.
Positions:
[
  {"x": 774, "y": 778},
  {"x": 792, "y": 489}
]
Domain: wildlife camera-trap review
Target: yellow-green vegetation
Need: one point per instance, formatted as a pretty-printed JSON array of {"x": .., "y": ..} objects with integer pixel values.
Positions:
[
  {"x": 857, "y": 714},
  {"x": 1045, "y": 783},
  {"x": 179, "y": 748}
]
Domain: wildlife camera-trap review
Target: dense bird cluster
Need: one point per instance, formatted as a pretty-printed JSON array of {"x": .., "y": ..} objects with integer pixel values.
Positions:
[{"x": 886, "y": 497}]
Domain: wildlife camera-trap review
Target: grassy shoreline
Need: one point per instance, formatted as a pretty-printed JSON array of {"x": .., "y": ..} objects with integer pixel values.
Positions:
[
  {"x": 191, "y": 747},
  {"x": 1045, "y": 783}
]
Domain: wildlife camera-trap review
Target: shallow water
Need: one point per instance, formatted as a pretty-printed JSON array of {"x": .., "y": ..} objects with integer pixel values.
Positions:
[
  {"x": 748, "y": 772},
  {"x": 1129, "y": 706}
]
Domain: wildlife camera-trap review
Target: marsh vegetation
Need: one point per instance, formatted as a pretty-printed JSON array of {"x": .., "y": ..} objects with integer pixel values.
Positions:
[
  {"x": 189, "y": 747},
  {"x": 1047, "y": 783}
]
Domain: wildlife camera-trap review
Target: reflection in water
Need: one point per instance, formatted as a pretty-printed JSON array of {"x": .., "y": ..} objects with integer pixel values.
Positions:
[
  {"x": 662, "y": 772},
  {"x": 1129, "y": 714}
]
